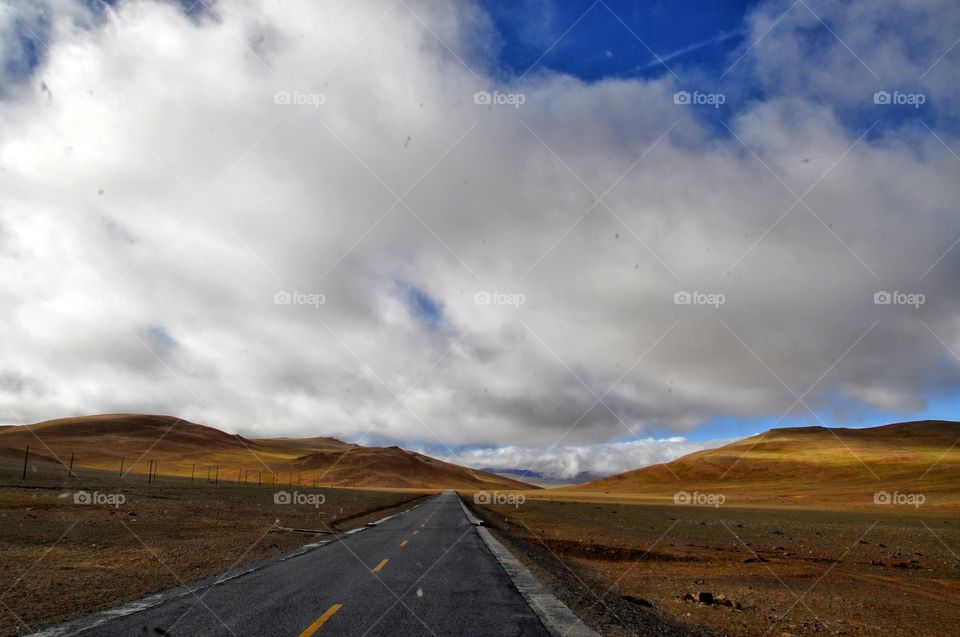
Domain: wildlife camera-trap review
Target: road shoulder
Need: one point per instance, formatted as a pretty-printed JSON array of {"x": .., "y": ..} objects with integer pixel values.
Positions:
[{"x": 556, "y": 617}]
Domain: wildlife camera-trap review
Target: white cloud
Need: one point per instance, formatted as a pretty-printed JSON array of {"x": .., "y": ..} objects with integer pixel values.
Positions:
[
  {"x": 156, "y": 198},
  {"x": 577, "y": 463}
]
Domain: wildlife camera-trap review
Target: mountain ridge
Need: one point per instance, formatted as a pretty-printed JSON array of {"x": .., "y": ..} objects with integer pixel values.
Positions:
[
  {"x": 804, "y": 462},
  {"x": 178, "y": 447}
]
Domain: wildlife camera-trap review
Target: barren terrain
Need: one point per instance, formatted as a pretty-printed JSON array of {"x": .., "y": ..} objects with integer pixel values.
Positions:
[
  {"x": 790, "y": 571},
  {"x": 63, "y": 557}
]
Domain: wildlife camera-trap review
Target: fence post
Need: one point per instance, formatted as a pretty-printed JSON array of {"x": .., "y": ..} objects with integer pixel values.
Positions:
[
  {"x": 121, "y": 467},
  {"x": 70, "y": 470},
  {"x": 258, "y": 478},
  {"x": 193, "y": 470},
  {"x": 26, "y": 456},
  {"x": 156, "y": 465},
  {"x": 150, "y": 472},
  {"x": 216, "y": 478}
]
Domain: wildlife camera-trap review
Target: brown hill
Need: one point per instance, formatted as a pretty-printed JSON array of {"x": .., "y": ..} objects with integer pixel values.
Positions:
[
  {"x": 319, "y": 443},
  {"x": 370, "y": 466},
  {"x": 803, "y": 463},
  {"x": 183, "y": 448}
]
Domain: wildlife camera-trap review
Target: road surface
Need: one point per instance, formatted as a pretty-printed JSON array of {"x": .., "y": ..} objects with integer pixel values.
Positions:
[{"x": 425, "y": 572}]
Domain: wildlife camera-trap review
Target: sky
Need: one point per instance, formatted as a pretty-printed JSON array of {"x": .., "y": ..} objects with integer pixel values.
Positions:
[{"x": 559, "y": 237}]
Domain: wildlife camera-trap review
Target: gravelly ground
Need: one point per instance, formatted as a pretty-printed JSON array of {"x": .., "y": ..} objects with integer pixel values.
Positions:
[{"x": 798, "y": 572}]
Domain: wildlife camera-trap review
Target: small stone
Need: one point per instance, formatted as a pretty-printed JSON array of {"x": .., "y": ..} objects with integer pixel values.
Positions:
[{"x": 639, "y": 601}]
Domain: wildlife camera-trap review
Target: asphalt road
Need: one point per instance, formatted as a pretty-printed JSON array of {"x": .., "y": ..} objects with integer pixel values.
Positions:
[{"x": 425, "y": 572}]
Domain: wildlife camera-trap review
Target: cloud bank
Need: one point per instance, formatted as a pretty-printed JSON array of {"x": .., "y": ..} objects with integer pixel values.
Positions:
[
  {"x": 572, "y": 463},
  {"x": 293, "y": 218}
]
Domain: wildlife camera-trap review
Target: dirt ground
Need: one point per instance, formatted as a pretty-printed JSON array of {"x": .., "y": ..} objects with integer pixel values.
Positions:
[
  {"x": 792, "y": 572},
  {"x": 62, "y": 557}
]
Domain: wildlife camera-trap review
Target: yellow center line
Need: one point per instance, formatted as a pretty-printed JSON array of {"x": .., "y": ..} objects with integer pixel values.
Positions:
[
  {"x": 321, "y": 620},
  {"x": 403, "y": 544},
  {"x": 378, "y": 567}
]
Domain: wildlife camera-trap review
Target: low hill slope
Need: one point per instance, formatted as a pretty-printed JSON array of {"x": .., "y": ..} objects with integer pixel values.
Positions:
[
  {"x": 369, "y": 466},
  {"x": 183, "y": 448},
  {"x": 810, "y": 463}
]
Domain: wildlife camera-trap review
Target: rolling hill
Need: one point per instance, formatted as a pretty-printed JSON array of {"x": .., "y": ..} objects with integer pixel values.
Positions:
[
  {"x": 809, "y": 463},
  {"x": 182, "y": 448}
]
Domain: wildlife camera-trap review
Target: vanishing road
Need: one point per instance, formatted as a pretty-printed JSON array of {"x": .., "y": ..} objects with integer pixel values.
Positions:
[{"x": 424, "y": 572}]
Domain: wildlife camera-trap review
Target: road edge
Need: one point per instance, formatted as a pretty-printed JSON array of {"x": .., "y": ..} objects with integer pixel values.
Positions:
[{"x": 555, "y": 616}]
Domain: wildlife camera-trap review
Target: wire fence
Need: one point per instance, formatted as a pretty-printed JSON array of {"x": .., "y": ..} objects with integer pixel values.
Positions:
[{"x": 33, "y": 468}]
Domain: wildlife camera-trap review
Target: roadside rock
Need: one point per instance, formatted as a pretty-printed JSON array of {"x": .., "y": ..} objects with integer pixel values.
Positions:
[{"x": 639, "y": 601}]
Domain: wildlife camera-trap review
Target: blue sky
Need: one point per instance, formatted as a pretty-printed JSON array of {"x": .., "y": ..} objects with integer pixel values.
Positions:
[
  {"x": 701, "y": 43},
  {"x": 611, "y": 39}
]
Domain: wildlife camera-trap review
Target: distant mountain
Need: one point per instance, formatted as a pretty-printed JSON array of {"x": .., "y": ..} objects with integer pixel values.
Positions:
[
  {"x": 541, "y": 479},
  {"x": 803, "y": 462},
  {"x": 183, "y": 448}
]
